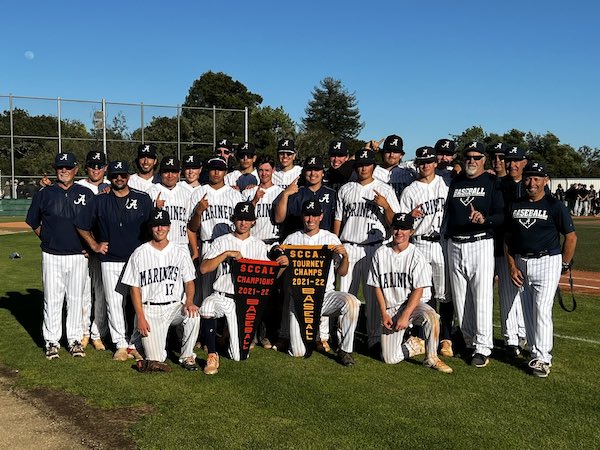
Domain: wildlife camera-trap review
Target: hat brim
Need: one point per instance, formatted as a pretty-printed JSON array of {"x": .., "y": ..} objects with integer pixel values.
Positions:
[{"x": 425, "y": 160}]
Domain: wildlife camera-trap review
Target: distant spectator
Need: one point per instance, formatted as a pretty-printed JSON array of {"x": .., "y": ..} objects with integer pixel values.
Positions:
[
  {"x": 582, "y": 200},
  {"x": 560, "y": 193},
  {"x": 6, "y": 190},
  {"x": 571, "y": 197}
]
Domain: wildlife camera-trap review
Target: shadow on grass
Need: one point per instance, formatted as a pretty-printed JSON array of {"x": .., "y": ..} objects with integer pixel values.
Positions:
[{"x": 27, "y": 309}]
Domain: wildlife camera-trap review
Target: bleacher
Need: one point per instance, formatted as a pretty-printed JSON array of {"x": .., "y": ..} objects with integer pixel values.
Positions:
[{"x": 14, "y": 207}]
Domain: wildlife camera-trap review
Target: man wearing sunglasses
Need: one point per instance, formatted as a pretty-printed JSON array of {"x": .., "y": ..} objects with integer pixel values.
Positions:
[
  {"x": 114, "y": 225},
  {"x": 246, "y": 176},
  {"x": 474, "y": 210}
]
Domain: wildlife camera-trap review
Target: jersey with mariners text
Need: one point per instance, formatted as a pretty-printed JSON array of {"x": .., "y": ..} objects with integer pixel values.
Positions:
[
  {"x": 177, "y": 202},
  {"x": 216, "y": 219}
]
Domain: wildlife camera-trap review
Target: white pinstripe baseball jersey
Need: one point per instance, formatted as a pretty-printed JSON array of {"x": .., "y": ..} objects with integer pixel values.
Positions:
[
  {"x": 432, "y": 198},
  {"x": 363, "y": 221},
  {"x": 139, "y": 183},
  {"x": 187, "y": 186},
  {"x": 284, "y": 179},
  {"x": 397, "y": 177},
  {"x": 160, "y": 274},
  {"x": 323, "y": 237},
  {"x": 398, "y": 274},
  {"x": 250, "y": 247},
  {"x": 216, "y": 219},
  {"x": 177, "y": 202},
  {"x": 92, "y": 187},
  {"x": 265, "y": 228}
]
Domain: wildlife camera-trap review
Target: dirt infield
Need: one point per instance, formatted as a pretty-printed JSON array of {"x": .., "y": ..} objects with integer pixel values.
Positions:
[{"x": 13, "y": 227}]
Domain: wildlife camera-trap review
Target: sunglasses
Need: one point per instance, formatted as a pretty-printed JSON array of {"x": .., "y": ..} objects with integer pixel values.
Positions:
[
  {"x": 245, "y": 156},
  {"x": 473, "y": 157},
  {"x": 223, "y": 151},
  {"x": 119, "y": 175}
]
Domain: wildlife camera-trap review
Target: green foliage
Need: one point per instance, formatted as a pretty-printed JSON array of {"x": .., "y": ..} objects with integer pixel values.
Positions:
[
  {"x": 267, "y": 126},
  {"x": 334, "y": 110}
]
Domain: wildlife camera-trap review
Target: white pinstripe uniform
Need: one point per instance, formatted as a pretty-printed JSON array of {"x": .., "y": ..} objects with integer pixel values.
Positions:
[
  {"x": 177, "y": 203},
  {"x": 398, "y": 176},
  {"x": 216, "y": 221},
  {"x": 335, "y": 303},
  {"x": 432, "y": 198},
  {"x": 187, "y": 186},
  {"x": 141, "y": 184},
  {"x": 160, "y": 275},
  {"x": 99, "y": 326},
  {"x": 220, "y": 303},
  {"x": 363, "y": 230},
  {"x": 283, "y": 179},
  {"x": 264, "y": 229},
  {"x": 398, "y": 274}
]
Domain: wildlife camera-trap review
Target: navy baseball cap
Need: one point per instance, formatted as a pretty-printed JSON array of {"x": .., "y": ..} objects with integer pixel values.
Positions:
[
  {"x": 495, "y": 149},
  {"x": 474, "y": 146},
  {"x": 403, "y": 221},
  {"x": 445, "y": 147},
  {"x": 170, "y": 164},
  {"x": 313, "y": 163},
  {"x": 224, "y": 143},
  {"x": 65, "y": 160},
  {"x": 338, "y": 148},
  {"x": 393, "y": 143},
  {"x": 159, "y": 217},
  {"x": 311, "y": 208},
  {"x": 514, "y": 154},
  {"x": 364, "y": 158},
  {"x": 534, "y": 169},
  {"x": 286, "y": 146},
  {"x": 118, "y": 167},
  {"x": 191, "y": 162},
  {"x": 95, "y": 159},
  {"x": 424, "y": 155},
  {"x": 246, "y": 148},
  {"x": 146, "y": 151},
  {"x": 243, "y": 211},
  {"x": 216, "y": 163}
]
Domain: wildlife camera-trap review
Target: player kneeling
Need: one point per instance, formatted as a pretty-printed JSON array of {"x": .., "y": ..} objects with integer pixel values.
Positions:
[
  {"x": 401, "y": 275},
  {"x": 235, "y": 245},
  {"x": 335, "y": 304},
  {"x": 161, "y": 276}
]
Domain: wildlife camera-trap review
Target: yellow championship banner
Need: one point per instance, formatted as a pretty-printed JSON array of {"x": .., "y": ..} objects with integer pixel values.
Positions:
[{"x": 306, "y": 279}]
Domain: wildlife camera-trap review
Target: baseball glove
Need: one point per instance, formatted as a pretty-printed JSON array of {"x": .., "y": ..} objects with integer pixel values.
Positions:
[{"x": 147, "y": 365}]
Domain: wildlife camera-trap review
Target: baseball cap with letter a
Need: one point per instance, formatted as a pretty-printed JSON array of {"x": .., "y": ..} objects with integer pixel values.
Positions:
[
  {"x": 244, "y": 211},
  {"x": 95, "y": 159},
  {"x": 403, "y": 221},
  {"x": 159, "y": 217},
  {"x": 65, "y": 160},
  {"x": 311, "y": 208},
  {"x": 147, "y": 151}
]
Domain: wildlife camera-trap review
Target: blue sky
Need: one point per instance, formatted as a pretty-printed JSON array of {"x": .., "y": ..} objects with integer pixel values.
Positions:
[{"x": 420, "y": 71}]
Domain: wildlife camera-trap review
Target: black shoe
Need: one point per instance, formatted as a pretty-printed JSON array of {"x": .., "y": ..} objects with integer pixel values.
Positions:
[
  {"x": 513, "y": 350},
  {"x": 280, "y": 345},
  {"x": 189, "y": 364},
  {"x": 345, "y": 359},
  {"x": 479, "y": 360}
]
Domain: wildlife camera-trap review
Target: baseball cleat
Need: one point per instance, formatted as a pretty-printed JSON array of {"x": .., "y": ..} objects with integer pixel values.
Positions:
[
  {"x": 76, "y": 350},
  {"x": 446, "y": 348},
  {"x": 323, "y": 347},
  {"x": 266, "y": 343},
  {"x": 513, "y": 350},
  {"x": 189, "y": 363},
  {"x": 85, "y": 341},
  {"x": 212, "y": 364},
  {"x": 345, "y": 359},
  {"x": 121, "y": 355},
  {"x": 52, "y": 351},
  {"x": 415, "y": 345},
  {"x": 479, "y": 360},
  {"x": 98, "y": 344},
  {"x": 539, "y": 368},
  {"x": 132, "y": 353},
  {"x": 438, "y": 365}
]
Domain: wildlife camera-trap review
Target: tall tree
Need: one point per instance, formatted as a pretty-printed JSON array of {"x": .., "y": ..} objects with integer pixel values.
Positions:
[{"x": 333, "y": 109}]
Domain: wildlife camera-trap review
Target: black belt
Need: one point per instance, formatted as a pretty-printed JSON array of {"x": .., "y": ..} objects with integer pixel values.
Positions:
[
  {"x": 225, "y": 295},
  {"x": 270, "y": 241},
  {"x": 551, "y": 252},
  {"x": 429, "y": 237},
  {"x": 159, "y": 303},
  {"x": 461, "y": 239},
  {"x": 363, "y": 245}
]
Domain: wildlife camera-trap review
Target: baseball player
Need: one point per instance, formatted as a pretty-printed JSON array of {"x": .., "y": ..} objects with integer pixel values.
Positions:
[
  {"x": 95, "y": 167},
  {"x": 224, "y": 150},
  {"x": 426, "y": 199},
  {"x": 287, "y": 172},
  {"x": 401, "y": 277},
  {"x": 497, "y": 153},
  {"x": 512, "y": 186},
  {"x": 335, "y": 303},
  {"x": 235, "y": 245},
  {"x": 64, "y": 264},
  {"x": 212, "y": 207},
  {"x": 392, "y": 170},
  {"x": 161, "y": 279},
  {"x": 365, "y": 208},
  {"x": 340, "y": 166},
  {"x": 191, "y": 168},
  {"x": 246, "y": 176},
  {"x": 535, "y": 259},
  {"x": 169, "y": 195},
  {"x": 120, "y": 218},
  {"x": 445, "y": 153},
  {"x": 145, "y": 162},
  {"x": 474, "y": 209}
]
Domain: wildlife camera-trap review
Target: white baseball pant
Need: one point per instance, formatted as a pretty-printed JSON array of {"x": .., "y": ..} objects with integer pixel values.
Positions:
[
  {"x": 471, "y": 269},
  {"x": 116, "y": 296},
  {"x": 433, "y": 252},
  {"x": 359, "y": 259},
  {"x": 216, "y": 306},
  {"x": 391, "y": 341},
  {"x": 335, "y": 303},
  {"x": 160, "y": 318},
  {"x": 94, "y": 325},
  {"x": 63, "y": 277},
  {"x": 512, "y": 321},
  {"x": 537, "y": 294}
]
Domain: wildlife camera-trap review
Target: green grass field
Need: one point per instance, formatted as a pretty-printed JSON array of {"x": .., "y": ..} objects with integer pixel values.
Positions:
[{"x": 275, "y": 401}]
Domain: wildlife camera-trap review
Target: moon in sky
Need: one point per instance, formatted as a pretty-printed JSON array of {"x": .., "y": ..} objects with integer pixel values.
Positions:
[{"x": 29, "y": 55}]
